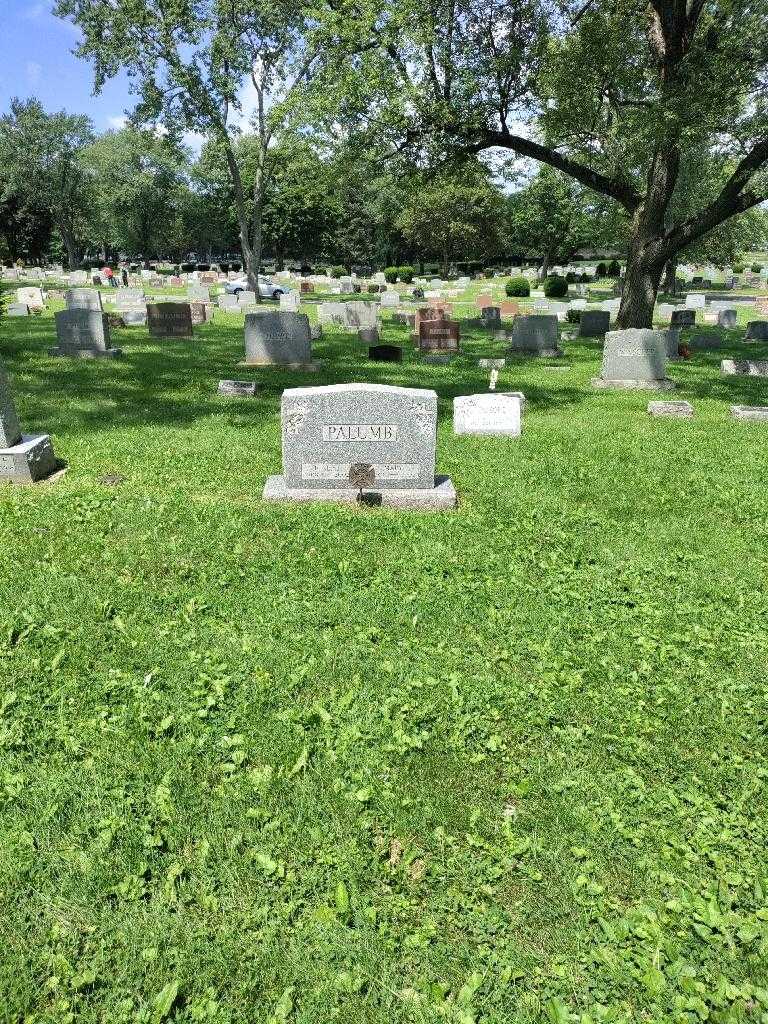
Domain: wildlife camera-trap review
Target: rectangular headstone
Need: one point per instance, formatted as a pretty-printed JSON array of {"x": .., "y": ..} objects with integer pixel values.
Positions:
[
  {"x": 593, "y": 323},
  {"x": 382, "y": 436},
  {"x": 754, "y": 413},
  {"x": 279, "y": 339},
  {"x": 198, "y": 312},
  {"x": 30, "y": 296},
  {"x": 635, "y": 358},
  {"x": 198, "y": 292},
  {"x": 535, "y": 335},
  {"x": 681, "y": 410},
  {"x": 439, "y": 336},
  {"x": 169, "y": 319},
  {"x": 83, "y": 298},
  {"x": 238, "y": 388},
  {"x": 744, "y": 367},
  {"x": 17, "y": 309},
  {"x": 496, "y": 414},
  {"x": 83, "y": 333}
]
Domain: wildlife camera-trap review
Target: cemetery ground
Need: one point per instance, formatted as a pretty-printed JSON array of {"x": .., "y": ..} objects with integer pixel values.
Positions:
[{"x": 284, "y": 763}]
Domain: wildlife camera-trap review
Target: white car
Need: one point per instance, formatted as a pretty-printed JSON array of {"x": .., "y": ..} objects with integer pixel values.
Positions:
[{"x": 267, "y": 289}]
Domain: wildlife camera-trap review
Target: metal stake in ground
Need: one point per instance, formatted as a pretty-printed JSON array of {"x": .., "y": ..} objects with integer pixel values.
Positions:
[
  {"x": 362, "y": 474},
  {"x": 494, "y": 378}
]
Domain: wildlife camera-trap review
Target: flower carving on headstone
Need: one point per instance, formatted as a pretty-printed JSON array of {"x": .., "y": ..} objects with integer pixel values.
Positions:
[
  {"x": 422, "y": 417},
  {"x": 294, "y": 420}
]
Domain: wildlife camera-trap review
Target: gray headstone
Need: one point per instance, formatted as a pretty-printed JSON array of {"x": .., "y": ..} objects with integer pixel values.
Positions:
[
  {"x": 535, "y": 335},
  {"x": 757, "y": 330},
  {"x": 83, "y": 332},
  {"x": 246, "y": 298},
  {"x": 491, "y": 316},
  {"x": 683, "y": 318},
  {"x": 705, "y": 342},
  {"x": 727, "y": 318},
  {"x": 169, "y": 319},
  {"x": 594, "y": 323},
  {"x": 745, "y": 367},
  {"x": 278, "y": 339},
  {"x": 198, "y": 292},
  {"x": 228, "y": 302},
  {"x": 83, "y": 298},
  {"x": 329, "y": 432},
  {"x": 238, "y": 388},
  {"x": 682, "y": 410},
  {"x": 17, "y": 309},
  {"x": 23, "y": 458},
  {"x": 755, "y": 413},
  {"x": 496, "y": 414},
  {"x": 635, "y": 358}
]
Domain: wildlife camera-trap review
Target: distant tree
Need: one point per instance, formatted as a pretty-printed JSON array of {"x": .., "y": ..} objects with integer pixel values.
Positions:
[
  {"x": 138, "y": 179},
  {"x": 42, "y": 157},
  {"x": 25, "y": 228},
  {"x": 553, "y": 216},
  {"x": 456, "y": 214},
  {"x": 190, "y": 61}
]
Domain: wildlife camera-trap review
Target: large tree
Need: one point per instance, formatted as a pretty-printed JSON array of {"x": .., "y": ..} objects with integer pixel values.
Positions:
[
  {"x": 613, "y": 93},
  {"x": 42, "y": 157},
  {"x": 195, "y": 64}
]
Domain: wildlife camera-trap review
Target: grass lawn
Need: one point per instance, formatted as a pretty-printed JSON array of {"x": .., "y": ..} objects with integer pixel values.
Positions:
[{"x": 271, "y": 763}]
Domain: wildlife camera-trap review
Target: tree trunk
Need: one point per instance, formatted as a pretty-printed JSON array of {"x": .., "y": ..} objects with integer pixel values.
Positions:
[
  {"x": 546, "y": 261},
  {"x": 670, "y": 276},
  {"x": 641, "y": 284},
  {"x": 69, "y": 243},
  {"x": 242, "y": 216},
  {"x": 258, "y": 201}
]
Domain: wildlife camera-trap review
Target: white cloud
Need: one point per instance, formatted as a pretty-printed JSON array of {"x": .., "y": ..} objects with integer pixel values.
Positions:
[
  {"x": 33, "y": 72},
  {"x": 117, "y": 122},
  {"x": 194, "y": 140}
]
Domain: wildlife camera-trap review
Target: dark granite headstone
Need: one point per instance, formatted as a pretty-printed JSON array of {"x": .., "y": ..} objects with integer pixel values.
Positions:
[
  {"x": 169, "y": 319},
  {"x": 683, "y": 318},
  {"x": 385, "y": 353}
]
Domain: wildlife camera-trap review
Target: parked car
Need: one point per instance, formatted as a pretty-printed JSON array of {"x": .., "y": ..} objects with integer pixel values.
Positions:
[{"x": 267, "y": 289}]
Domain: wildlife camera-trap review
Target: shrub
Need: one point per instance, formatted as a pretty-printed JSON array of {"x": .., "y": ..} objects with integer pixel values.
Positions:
[
  {"x": 518, "y": 288},
  {"x": 573, "y": 316},
  {"x": 738, "y": 268},
  {"x": 584, "y": 278},
  {"x": 338, "y": 271},
  {"x": 601, "y": 270},
  {"x": 406, "y": 274},
  {"x": 571, "y": 278},
  {"x": 614, "y": 269},
  {"x": 555, "y": 287},
  {"x": 390, "y": 274},
  {"x": 488, "y": 272},
  {"x": 756, "y": 268}
]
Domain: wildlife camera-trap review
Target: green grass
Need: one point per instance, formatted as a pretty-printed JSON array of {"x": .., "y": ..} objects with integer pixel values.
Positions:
[{"x": 274, "y": 764}]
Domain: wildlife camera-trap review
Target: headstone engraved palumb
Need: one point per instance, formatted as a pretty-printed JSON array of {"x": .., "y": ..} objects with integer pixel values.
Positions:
[
  {"x": 635, "y": 359},
  {"x": 169, "y": 319},
  {"x": 279, "y": 339},
  {"x": 328, "y": 430},
  {"x": 84, "y": 334},
  {"x": 24, "y": 458}
]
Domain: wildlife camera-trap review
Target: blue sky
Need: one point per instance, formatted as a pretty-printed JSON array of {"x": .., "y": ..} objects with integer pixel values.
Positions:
[{"x": 36, "y": 60}]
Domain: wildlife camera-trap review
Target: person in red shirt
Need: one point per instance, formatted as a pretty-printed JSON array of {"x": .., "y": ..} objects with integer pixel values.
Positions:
[{"x": 109, "y": 273}]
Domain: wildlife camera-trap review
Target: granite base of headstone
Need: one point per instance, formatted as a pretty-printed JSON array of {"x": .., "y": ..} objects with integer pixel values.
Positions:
[
  {"x": 681, "y": 410},
  {"x": 24, "y": 458},
  {"x": 341, "y": 433},
  {"x": 744, "y": 367},
  {"x": 493, "y": 415},
  {"x": 635, "y": 359},
  {"x": 238, "y": 388},
  {"x": 281, "y": 339},
  {"x": 750, "y": 413},
  {"x": 385, "y": 354}
]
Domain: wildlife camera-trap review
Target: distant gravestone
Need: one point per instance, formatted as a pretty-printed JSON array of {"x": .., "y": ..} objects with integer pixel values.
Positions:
[
  {"x": 496, "y": 414},
  {"x": 491, "y": 316},
  {"x": 753, "y": 413},
  {"x": 509, "y": 310},
  {"x": 727, "y": 318},
  {"x": 198, "y": 311},
  {"x": 279, "y": 339},
  {"x": 228, "y": 303},
  {"x": 635, "y": 358},
  {"x": 343, "y": 438},
  {"x": 17, "y": 309},
  {"x": 593, "y": 323},
  {"x": 385, "y": 353},
  {"x": 535, "y": 335},
  {"x": 368, "y": 335},
  {"x": 134, "y": 317},
  {"x": 683, "y": 318},
  {"x": 439, "y": 336},
  {"x": 705, "y": 342},
  {"x": 681, "y": 410},
  {"x": 289, "y": 301},
  {"x": 23, "y": 458},
  {"x": 757, "y": 330},
  {"x": 389, "y": 300},
  {"x": 83, "y": 333},
  {"x": 169, "y": 319},
  {"x": 246, "y": 298},
  {"x": 83, "y": 298},
  {"x": 198, "y": 292},
  {"x": 694, "y": 301},
  {"x": 30, "y": 296},
  {"x": 238, "y": 388},
  {"x": 360, "y": 313},
  {"x": 744, "y": 367}
]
